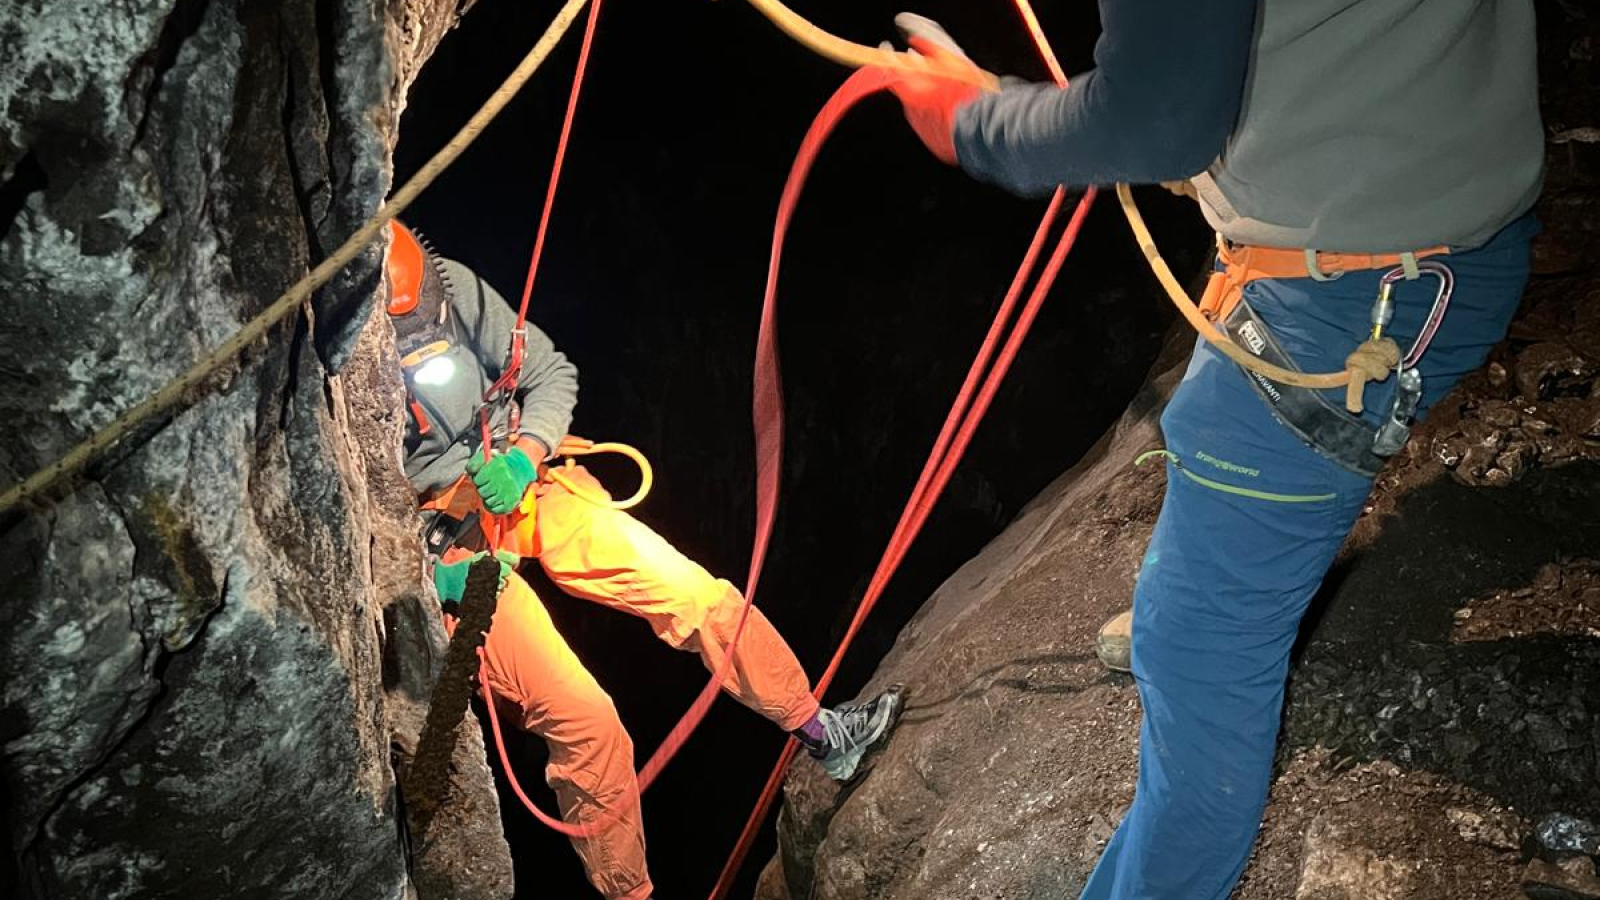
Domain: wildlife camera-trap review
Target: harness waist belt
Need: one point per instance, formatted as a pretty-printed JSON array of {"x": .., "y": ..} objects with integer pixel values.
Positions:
[{"x": 1243, "y": 264}]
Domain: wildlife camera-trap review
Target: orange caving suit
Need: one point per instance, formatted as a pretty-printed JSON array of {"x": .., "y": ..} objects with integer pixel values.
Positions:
[
  {"x": 614, "y": 559},
  {"x": 590, "y": 551}
]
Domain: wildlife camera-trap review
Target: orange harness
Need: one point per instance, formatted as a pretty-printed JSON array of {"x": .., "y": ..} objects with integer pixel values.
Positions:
[
  {"x": 518, "y": 531},
  {"x": 1243, "y": 264}
]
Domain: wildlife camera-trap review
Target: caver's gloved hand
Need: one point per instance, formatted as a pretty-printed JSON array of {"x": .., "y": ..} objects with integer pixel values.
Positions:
[
  {"x": 450, "y": 578},
  {"x": 502, "y": 480},
  {"x": 932, "y": 98},
  {"x": 925, "y": 29}
]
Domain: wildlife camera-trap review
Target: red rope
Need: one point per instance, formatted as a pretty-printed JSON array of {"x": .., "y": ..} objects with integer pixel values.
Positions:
[
  {"x": 959, "y": 426},
  {"x": 507, "y": 383},
  {"x": 560, "y": 160},
  {"x": 768, "y": 417},
  {"x": 505, "y": 760},
  {"x": 972, "y": 402}
]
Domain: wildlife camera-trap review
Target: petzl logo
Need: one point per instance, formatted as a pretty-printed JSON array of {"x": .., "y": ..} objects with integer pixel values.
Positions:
[{"x": 1252, "y": 337}]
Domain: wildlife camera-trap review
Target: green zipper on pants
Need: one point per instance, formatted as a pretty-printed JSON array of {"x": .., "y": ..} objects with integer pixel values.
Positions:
[{"x": 1231, "y": 488}]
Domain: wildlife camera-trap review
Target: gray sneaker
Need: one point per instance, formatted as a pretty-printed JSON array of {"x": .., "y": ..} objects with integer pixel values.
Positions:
[{"x": 855, "y": 728}]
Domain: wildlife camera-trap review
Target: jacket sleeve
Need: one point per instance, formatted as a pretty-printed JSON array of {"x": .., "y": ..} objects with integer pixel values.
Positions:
[
  {"x": 548, "y": 387},
  {"x": 1159, "y": 105}
]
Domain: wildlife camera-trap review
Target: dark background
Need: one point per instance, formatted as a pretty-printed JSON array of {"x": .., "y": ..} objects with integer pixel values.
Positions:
[{"x": 652, "y": 284}]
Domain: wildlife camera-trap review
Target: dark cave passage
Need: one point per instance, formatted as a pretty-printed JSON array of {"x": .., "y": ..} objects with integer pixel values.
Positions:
[{"x": 651, "y": 283}]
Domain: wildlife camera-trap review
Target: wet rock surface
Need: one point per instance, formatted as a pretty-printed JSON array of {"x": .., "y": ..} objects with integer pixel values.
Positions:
[
  {"x": 212, "y": 646},
  {"x": 1442, "y": 705}
]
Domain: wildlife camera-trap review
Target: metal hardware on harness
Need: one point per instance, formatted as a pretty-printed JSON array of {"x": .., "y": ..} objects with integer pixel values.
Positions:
[
  {"x": 1396, "y": 429},
  {"x": 1383, "y": 308},
  {"x": 1340, "y": 436},
  {"x": 443, "y": 531},
  {"x": 1436, "y": 314},
  {"x": 513, "y": 373}
]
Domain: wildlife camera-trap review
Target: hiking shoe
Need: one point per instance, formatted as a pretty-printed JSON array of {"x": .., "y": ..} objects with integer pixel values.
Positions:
[
  {"x": 1114, "y": 643},
  {"x": 855, "y": 728}
]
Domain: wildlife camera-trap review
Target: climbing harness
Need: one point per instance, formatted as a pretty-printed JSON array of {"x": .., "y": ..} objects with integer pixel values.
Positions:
[
  {"x": 1333, "y": 430},
  {"x": 1242, "y": 264}
]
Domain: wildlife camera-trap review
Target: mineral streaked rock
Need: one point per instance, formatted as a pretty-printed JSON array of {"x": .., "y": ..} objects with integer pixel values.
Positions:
[{"x": 209, "y": 647}]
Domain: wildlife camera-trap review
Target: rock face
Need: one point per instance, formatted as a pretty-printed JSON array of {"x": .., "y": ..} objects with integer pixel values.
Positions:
[
  {"x": 1015, "y": 753},
  {"x": 211, "y": 648}
]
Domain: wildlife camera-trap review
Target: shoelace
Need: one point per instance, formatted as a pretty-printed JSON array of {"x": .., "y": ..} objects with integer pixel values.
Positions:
[{"x": 841, "y": 727}]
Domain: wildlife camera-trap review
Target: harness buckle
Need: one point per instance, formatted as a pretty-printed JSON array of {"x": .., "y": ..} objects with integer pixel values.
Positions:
[{"x": 1315, "y": 271}]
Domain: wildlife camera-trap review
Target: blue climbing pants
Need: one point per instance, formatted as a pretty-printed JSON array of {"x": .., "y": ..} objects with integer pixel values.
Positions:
[{"x": 1252, "y": 519}]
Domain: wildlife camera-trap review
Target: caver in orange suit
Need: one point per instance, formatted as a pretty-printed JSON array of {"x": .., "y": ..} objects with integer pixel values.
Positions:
[
  {"x": 451, "y": 329},
  {"x": 611, "y": 558}
]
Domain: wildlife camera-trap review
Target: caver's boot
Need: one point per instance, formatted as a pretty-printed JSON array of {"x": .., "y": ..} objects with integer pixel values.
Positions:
[
  {"x": 1114, "y": 643},
  {"x": 850, "y": 731}
]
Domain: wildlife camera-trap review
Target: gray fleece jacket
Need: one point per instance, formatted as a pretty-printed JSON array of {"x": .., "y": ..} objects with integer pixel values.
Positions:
[
  {"x": 547, "y": 390},
  {"x": 1343, "y": 125}
]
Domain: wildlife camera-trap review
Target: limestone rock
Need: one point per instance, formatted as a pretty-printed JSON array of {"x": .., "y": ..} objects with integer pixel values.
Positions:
[
  {"x": 199, "y": 679},
  {"x": 1572, "y": 879},
  {"x": 1340, "y": 866}
]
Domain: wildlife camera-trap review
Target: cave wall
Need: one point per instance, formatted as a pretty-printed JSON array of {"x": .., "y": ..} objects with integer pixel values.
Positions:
[{"x": 212, "y": 645}]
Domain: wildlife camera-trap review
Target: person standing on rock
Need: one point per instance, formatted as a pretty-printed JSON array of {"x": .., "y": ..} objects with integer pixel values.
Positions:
[
  {"x": 452, "y": 330},
  {"x": 1342, "y": 149}
]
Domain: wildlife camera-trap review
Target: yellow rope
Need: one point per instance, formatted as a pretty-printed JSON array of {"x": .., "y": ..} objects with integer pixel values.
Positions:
[
  {"x": 576, "y": 446},
  {"x": 843, "y": 52},
  {"x": 1191, "y": 313},
  {"x": 174, "y": 393},
  {"x": 853, "y": 54}
]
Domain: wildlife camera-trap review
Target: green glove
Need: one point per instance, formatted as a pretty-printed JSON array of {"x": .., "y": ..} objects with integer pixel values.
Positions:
[
  {"x": 502, "y": 480},
  {"x": 450, "y": 579}
]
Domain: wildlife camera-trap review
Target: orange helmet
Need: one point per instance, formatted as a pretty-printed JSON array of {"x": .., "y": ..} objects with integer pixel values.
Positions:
[{"x": 407, "y": 262}]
